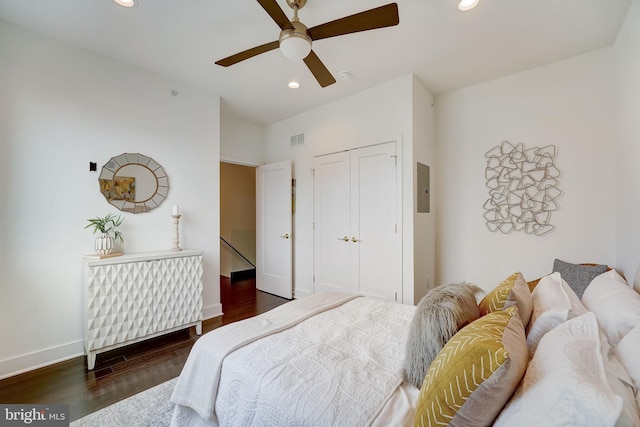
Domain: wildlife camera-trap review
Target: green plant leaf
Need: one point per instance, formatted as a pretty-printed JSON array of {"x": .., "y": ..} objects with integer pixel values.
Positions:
[{"x": 107, "y": 225}]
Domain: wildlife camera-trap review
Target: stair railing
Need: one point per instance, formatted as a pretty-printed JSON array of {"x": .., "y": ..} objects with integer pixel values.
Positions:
[{"x": 237, "y": 251}]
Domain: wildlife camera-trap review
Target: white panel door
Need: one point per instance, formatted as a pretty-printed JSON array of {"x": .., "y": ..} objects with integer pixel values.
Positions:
[
  {"x": 332, "y": 232},
  {"x": 274, "y": 229},
  {"x": 357, "y": 246},
  {"x": 375, "y": 258}
]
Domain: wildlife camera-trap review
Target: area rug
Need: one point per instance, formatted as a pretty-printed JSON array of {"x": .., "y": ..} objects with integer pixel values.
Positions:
[{"x": 149, "y": 408}]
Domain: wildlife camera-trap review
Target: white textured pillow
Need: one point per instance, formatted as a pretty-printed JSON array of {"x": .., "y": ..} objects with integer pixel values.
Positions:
[
  {"x": 614, "y": 303},
  {"x": 554, "y": 302},
  {"x": 566, "y": 382},
  {"x": 627, "y": 351},
  {"x": 621, "y": 384}
]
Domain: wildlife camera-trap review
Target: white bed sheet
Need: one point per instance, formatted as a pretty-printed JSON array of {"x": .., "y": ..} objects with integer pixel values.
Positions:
[
  {"x": 399, "y": 411},
  {"x": 367, "y": 393}
]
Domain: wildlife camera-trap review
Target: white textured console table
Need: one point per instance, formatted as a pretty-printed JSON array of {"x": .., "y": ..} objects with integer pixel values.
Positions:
[{"x": 134, "y": 297}]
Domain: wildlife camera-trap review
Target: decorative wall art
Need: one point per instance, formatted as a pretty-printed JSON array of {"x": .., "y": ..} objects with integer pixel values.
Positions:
[{"x": 523, "y": 188}]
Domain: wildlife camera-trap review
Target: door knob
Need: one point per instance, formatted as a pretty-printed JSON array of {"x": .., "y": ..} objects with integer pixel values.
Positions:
[
  {"x": 354, "y": 240},
  {"x": 286, "y": 236},
  {"x": 345, "y": 238}
]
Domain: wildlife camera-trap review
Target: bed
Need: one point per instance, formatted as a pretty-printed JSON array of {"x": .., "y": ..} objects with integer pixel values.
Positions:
[{"x": 540, "y": 353}]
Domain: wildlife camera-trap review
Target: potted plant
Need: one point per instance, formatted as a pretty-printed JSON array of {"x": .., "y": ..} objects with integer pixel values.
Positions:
[{"x": 108, "y": 234}]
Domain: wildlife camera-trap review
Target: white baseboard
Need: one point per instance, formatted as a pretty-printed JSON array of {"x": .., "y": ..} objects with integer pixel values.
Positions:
[
  {"x": 40, "y": 359},
  {"x": 212, "y": 311},
  {"x": 49, "y": 356}
]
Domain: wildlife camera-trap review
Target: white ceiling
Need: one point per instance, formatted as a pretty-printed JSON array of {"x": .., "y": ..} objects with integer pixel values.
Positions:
[{"x": 445, "y": 48}]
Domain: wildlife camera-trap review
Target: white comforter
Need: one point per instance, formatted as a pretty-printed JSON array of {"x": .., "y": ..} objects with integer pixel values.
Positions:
[{"x": 338, "y": 367}]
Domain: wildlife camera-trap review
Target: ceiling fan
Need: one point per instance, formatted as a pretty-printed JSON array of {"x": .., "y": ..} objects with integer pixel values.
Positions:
[{"x": 295, "y": 38}]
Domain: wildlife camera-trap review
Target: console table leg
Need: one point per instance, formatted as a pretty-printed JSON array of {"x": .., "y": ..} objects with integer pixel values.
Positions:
[
  {"x": 199, "y": 328},
  {"x": 91, "y": 360}
]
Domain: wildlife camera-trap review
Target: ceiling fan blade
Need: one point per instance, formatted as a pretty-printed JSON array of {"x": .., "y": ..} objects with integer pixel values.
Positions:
[
  {"x": 319, "y": 71},
  {"x": 249, "y": 53},
  {"x": 379, "y": 17},
  {"x": 274, "y": 11}
]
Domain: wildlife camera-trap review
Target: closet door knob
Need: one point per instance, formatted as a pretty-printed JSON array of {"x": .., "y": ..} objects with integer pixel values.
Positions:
[
  {"x": 286, "y": 236},
  {"x": 354, "y": 240},
  {"x": 345, "y": 238}
]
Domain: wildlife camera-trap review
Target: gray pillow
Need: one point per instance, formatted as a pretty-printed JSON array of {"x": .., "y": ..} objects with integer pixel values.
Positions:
[
  {"x": 578, "y": 276},
  {"x": 439, "y": 315}
]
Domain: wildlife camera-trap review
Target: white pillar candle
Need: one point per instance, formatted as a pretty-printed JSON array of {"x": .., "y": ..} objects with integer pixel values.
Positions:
[{"x": 176, "y": 210}]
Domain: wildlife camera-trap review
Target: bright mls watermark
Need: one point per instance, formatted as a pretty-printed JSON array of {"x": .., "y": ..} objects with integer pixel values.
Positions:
[{"x": 34, "y": 415}]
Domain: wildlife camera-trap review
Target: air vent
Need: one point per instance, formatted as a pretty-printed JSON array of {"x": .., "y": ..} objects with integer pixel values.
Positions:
[{"x": 297, "y": 140}]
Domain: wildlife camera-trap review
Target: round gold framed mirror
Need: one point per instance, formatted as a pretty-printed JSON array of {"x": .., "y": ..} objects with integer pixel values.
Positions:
[{"x": 133, "y": 182}]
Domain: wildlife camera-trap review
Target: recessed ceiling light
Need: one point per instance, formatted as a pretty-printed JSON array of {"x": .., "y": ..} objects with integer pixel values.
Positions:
[
  {"x": 465, "y": 5},
  {"x": 293, "y": 84},
  {"x": 126, "y": 3}
]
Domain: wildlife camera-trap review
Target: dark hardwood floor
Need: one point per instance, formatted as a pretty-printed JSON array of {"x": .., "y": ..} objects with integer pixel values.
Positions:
[{"x": 126, "y": 371}]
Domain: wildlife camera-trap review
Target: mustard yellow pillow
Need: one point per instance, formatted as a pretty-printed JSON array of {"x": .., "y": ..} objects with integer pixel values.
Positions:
[
  {"x": 476, "y": 372},
  {"x": 514, "y": 290}
]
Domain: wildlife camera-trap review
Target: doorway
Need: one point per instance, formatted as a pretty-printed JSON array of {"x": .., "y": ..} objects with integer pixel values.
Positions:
[
  {"x": 237, "y": 221},
  {"x": 255, "y": 227}
]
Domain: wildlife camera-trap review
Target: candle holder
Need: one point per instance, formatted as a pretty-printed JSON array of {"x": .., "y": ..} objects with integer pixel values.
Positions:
[{"x": 176, "y": 235}]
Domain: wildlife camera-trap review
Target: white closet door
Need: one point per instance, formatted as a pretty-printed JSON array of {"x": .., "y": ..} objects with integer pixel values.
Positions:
[
  {"x": 375, "y": 257},
  {"x": 356, "y": 242},
  {"x": 332, "y": 244}
]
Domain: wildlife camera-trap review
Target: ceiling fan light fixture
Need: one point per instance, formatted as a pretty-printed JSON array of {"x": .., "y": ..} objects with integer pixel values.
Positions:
[
  {"x": 296, "y": 39},
  {"x": 465, "y": 5},
  {"x": 295, "y": 46}
]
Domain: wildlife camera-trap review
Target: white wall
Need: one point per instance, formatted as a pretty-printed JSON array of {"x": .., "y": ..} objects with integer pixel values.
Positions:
[
  {"x": 373, "y": 116},
  {"x": 569, "y": 104},
  {"x": 60, "y": 108},
  {"x": 627, "y": 50},
  {"x": 241, "y": 141},
  {"x": 424, "y": 224}
]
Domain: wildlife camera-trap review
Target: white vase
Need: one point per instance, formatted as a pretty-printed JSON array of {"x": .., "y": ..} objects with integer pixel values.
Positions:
[{"x": 104, "y": 244}]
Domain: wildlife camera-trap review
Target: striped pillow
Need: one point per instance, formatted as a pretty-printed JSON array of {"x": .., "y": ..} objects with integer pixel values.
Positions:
[
  {"x": 476, "y": 372},
  {"x": 514, "y": 290}
]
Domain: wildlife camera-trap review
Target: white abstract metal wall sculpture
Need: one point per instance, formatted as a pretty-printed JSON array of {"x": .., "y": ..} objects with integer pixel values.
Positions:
[{"x": 523, "y": 188}]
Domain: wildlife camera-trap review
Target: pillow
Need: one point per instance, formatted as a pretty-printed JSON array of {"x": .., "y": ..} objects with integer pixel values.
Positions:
[
  {"x": 438, "y": 316},
  {"x": 578, "y": 276},
  {"x": 566, "y": 383},
  {"x": 627, "y": 352},
  {"x": 621, "y": 384},
  {"x": 554, "y": 302},
  {"x": 514, "y": 290},
  {"x": 475, "y": 373},
  {"x": 615, "y": 304}
]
